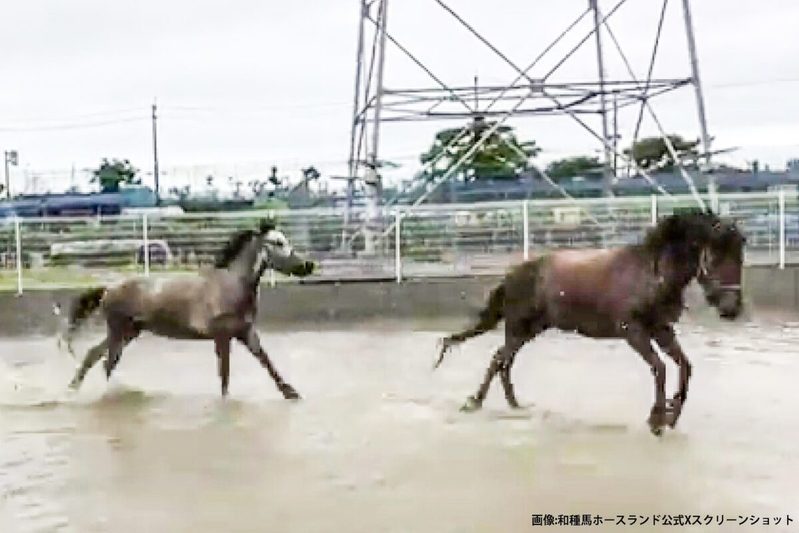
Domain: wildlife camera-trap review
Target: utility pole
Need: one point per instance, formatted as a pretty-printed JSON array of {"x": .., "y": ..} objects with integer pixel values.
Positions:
[
  {"x": 155, "y": 154},
  {"x": 10, "y": 157},
  {"x": 615, "y": 134},
  {"x": 476, "y": 96},
  {"x": 8, "y": 184}
]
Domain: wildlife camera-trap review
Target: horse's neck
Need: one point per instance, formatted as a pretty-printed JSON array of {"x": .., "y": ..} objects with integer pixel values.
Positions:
[
  {"x": 260, "y": 272},
  {"x": 673, "y": 276},
  {"x": 248, "y": 266}
]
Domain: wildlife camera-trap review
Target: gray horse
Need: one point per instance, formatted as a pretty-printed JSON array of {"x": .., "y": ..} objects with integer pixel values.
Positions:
[{"x": 218, "y": 304}]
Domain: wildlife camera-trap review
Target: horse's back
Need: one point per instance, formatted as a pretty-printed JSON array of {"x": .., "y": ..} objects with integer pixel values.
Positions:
[
  {"x": 588, "y": 290},
  {"x": 158, "y": 299}
]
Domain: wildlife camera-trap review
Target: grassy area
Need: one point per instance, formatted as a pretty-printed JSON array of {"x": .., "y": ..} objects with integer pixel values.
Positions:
[{"x": 64, "y": 277}]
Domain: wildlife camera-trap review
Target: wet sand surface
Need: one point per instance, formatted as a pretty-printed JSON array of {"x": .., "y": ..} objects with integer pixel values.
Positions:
[{"x": 378, "y": 443}]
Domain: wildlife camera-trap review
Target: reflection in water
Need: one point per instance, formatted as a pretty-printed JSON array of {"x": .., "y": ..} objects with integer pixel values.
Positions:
[{"x": 378, "y": 443}]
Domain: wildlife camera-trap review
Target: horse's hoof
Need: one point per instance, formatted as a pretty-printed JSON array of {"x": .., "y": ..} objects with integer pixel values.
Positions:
[
  {"x": 471, "y": 405},
  {"x": 515, "y": 405},
  {"x": 673, "y": 410},
  {"x": 289, "y": 393},
  {"x": 657, "y": 419}
]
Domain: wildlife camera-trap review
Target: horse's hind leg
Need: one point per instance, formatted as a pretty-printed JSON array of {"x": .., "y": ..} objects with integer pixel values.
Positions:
[
  {"x": 507, "y": 364},
  {"x": 253, "y": 343},
  {"x": 667, "y": 341},
  {"x": 501, "y": 359},
  {"x": 94, "y": 354}
]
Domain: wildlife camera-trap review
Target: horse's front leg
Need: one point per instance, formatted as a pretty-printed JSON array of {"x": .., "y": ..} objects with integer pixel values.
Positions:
[
  {"x": 222, "y": 348},
  {"x": 667, "y": 340},
  {"x": 253, "y": 343},
  {"x": 639, "y": 338}
]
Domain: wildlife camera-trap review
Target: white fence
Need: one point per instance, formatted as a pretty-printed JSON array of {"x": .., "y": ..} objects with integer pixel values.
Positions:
[{"x": 423, "y": 241}]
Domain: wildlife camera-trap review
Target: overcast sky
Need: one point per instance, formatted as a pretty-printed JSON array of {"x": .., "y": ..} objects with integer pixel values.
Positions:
[{"x": 256, "y": 82}]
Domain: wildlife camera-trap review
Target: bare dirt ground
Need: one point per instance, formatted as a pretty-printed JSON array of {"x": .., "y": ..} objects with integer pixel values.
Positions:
[{"x": 378, "y": 443}]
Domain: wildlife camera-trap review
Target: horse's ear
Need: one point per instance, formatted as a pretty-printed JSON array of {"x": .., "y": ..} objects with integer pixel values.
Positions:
[{"x": 266, "y": 225}]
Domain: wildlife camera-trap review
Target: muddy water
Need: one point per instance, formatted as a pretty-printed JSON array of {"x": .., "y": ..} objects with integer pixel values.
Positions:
[{"x": 378, "y": 443}]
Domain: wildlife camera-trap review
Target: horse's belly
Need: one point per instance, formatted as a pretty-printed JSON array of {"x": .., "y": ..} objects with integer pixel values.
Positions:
[
  {"x": 591, "y": 318},
  {"x": 599, "y": 331},
  {"x": 594, "y": 327},
  {"x": 174, "y": 329},
  {"x": 179, "y": 333}
]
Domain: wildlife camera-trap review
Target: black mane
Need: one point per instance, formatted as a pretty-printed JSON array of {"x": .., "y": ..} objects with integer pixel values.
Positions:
[
  {"x": 681, "y": 230},
  {"x": 239, "y": 240},
  {"x": 233, "y": 248}
]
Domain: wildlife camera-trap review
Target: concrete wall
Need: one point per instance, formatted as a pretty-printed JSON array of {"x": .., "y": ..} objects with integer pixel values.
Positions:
[
  {"x": 418, "y": 304},
  {"x": 770, "y": 287},
  {"x": 308, "y": 306}
]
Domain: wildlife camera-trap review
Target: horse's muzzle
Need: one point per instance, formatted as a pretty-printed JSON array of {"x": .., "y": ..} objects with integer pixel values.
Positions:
[
  {"x": 729, "y": 304},
  {"x": 303, "y": 269}
]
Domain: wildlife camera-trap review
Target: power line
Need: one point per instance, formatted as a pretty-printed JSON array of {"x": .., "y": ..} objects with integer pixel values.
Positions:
[
  {"x": 109, "y": 114},
  {"x": 73, "y": 126},
  {"x": 725, "y": 85},
  {"x": 250, "y": 108}
]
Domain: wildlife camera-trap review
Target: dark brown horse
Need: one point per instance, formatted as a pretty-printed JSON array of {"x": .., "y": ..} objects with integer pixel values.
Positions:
[
  {"x": 633, "y": 293},
  {"x": 218, "y": 304}
]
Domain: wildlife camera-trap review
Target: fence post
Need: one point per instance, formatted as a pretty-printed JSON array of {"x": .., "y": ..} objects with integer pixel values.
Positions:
[
  {"x": 18, "y": 238},
  {"x": 653, "y": 202},
  {"x": 398, "y": 245},
  {"x": 782, "y": 227},
  {"x": 526, "y": 228},
  {"x": 146, "y": 243}
]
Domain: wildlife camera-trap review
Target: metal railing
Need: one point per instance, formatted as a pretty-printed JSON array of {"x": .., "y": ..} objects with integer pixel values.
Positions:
[{"x": 409, "y": 242}]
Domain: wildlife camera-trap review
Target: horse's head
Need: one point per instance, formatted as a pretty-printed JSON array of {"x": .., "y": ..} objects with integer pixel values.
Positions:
[
  {"x": 721, "y": 267},
  {"x": 700, "y": 245},
  {"x": 250, "y": 252},
  {"x": 280, "y": 255}
]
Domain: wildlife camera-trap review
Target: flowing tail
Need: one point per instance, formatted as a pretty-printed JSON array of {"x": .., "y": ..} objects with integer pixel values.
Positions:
[
  {"x": 488, "y": 319},
  {"x": 82, "y": 308}
]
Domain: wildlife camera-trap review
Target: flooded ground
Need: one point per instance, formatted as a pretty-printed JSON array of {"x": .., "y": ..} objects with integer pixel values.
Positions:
[{"x": 378, "y": 443}]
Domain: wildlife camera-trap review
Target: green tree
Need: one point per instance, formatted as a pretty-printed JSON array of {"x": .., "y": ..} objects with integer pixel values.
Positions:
[
  {"x": 574, "y": 166},
  {"x": 111, "y": 174},
  {"x": 651, "y": 153},
  {"x": 501, "y": 156}
]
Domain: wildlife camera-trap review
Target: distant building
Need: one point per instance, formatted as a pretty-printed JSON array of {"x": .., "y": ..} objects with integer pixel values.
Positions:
[{"x": 533, "y": 187}]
